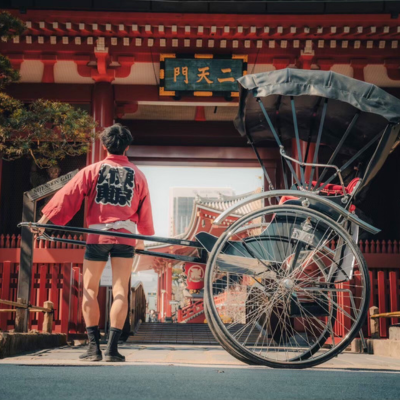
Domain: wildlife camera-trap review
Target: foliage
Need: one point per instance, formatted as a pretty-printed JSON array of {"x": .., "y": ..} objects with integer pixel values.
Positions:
[
  {"x": 45, "y": 130},
  {"x": 9, "y": 27},
  {"x": 7, "y": 73}
]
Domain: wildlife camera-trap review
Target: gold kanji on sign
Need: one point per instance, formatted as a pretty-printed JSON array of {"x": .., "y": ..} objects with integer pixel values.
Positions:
[
  {"x": 185, "y": 72},
  {"x": 203, "y": 75},
  {"x": 226, "y": 71}
]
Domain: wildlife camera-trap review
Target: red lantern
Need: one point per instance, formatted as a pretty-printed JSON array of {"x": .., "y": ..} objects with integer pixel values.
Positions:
[{"x": 195, "y": 276}]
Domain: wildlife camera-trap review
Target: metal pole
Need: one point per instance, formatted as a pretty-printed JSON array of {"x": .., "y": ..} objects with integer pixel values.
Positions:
[{"x": 160, "y": 239}]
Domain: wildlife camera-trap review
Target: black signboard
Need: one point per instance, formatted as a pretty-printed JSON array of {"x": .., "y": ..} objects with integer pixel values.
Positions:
[{"x": 201, "y": 74}]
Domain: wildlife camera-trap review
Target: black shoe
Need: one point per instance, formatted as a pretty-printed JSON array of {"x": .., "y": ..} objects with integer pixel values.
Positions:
[
  {"x": 91, "y": 357},
  {"x": 115, "y": 358},
  {"x": 93, "y": 352},
  {"x": 112, "y": 354}
]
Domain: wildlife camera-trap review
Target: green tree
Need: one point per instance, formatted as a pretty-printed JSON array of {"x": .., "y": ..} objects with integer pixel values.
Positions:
[{"x": 46, "y": 131}]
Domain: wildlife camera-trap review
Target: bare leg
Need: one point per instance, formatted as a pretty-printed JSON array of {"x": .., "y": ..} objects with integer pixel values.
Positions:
[
  {"x": 121, "y": 272},
  {"x": 92, "y": 271}
]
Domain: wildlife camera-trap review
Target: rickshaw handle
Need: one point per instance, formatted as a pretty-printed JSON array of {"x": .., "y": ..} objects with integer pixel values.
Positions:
[{"x": 172, "y": 241}]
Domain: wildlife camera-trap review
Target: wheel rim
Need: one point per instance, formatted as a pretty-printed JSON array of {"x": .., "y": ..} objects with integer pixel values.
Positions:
[{"x": 277, "y": 302}]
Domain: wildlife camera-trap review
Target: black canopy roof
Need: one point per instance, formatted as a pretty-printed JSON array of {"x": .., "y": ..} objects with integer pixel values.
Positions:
[{"x": 307, "y": 91}]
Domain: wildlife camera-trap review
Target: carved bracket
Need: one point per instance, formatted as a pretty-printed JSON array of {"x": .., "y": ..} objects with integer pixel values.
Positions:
[
  {"x": 130, "y": 108},
  {"x": 393, "y": 68},
  {"x": 281, "y": 63},
  {"x": 358, "y": 66},
  {"x": 104, "y": 68},
  {"x": 325, "y": 64}
]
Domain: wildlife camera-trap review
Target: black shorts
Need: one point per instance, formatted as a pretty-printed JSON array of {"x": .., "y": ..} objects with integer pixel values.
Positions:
[{"x": 100, "y": 252}]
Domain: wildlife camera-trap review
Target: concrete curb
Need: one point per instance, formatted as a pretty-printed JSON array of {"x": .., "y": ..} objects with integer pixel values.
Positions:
[
  {"x": 12, "y": 343},
  {"x": 384, "y": 347}
]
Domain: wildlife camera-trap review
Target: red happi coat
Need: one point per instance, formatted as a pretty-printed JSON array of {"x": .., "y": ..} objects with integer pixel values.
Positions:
[{"x": 116, "y": 191}]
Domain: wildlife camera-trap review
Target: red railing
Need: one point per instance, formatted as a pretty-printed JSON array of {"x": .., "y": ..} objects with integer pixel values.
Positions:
[
  {"x": 190, "y": 311},
  {"x": 14, "y": 242},
  {"x": 61, "y": 283}
]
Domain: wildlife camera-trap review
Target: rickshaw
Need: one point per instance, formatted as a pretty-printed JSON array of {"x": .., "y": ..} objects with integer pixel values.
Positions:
[{"x": 286, "y": 286}]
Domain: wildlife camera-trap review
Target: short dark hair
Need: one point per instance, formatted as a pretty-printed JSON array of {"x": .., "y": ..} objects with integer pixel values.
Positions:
[{"x": 116, "y": 138}]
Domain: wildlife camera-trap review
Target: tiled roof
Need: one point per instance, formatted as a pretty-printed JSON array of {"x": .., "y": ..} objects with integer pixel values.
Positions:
[{"x": 223, "y": 202}]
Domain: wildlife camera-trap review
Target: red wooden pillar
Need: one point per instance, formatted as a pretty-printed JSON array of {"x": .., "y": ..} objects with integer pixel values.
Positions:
[
  {"x": 158, "y": 292},
  {"x": 74, "y": 302},
  {"x": 394, "y": 294},
  {"x": 5, "y": 293},
  {"x": 66, "y": 271},
  {"x": 160, "y": 299},
  {"x": 42, "y": 293},
  {"x": 163, "y": 294},
  {"x": 383, "y": 325},
  {"x": 103, "y": 113},
  {"x": 168, "y": 294},
  {"x": 358, "y": 66},
  {"x": 49, "y": 62},
  {"x": 33, "y": 296},
  {"x": 54, "y": 292},
  {"x": 371, "y": 300}
]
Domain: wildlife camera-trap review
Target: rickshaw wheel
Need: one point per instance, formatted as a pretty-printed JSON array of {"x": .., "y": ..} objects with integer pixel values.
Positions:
[{"x": 275, "y": 277}]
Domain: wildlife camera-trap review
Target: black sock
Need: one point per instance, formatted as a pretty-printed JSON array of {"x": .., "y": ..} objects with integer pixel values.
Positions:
[
  {"x": 112, "y": 347},
  {"x": 93, "y": 333}
]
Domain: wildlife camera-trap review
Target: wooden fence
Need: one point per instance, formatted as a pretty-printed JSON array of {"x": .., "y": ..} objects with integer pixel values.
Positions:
[{"x": 59, "y": 283}]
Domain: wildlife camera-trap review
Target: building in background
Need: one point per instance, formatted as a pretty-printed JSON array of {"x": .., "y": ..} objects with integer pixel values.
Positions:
[{"x": 182, "y": 200}]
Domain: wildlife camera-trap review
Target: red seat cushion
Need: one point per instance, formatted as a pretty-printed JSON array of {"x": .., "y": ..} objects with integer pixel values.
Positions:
[
  {"x": 284, "y": 199},
  {"x": 337, "y": 190},
  {"x": 329, "y": 189}
]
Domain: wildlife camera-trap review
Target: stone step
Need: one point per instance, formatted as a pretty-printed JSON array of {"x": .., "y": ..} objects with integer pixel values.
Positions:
[
  {"x": 182, "y": 334},
  {"x": 394, "y": 332}
]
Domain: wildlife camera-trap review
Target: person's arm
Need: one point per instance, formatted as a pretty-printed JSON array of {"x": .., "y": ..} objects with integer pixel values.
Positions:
[
  {"x": 139, "y": 245},
  {"x": 145, "y": 220},
  {"x": 68, "y": 200}
]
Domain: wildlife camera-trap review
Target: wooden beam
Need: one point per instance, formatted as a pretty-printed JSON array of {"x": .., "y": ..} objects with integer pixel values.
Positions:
[
  {"x": 186, "y": 133},
  {"x": 222, "y": 154}
]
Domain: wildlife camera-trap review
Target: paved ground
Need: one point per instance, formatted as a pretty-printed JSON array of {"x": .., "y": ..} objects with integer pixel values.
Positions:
[
  {"x": 191, "y": 372},
  {"x": 191, "y": 355},
  {"x": 155, "y": 382}
]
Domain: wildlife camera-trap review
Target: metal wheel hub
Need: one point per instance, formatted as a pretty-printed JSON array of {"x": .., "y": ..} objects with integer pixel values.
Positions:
[{"x": 288, "y": 284}]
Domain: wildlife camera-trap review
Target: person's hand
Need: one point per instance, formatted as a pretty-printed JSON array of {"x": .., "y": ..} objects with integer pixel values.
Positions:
[
  {"x": 37, "y": 231},
  {"x": 139, "y": 245}
]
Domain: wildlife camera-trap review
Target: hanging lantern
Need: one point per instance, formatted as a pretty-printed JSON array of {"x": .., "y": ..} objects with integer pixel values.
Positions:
[{"x": 195, "y": 276}]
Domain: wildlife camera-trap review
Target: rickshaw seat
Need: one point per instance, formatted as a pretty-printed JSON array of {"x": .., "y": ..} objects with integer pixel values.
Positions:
[
  {"x": 330, "y": 189},
  {"x": 336, "y": 190}
]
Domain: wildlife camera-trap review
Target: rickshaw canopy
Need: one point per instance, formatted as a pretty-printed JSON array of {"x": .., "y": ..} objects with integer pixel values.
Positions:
[{"x": 320, "y": 106}]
